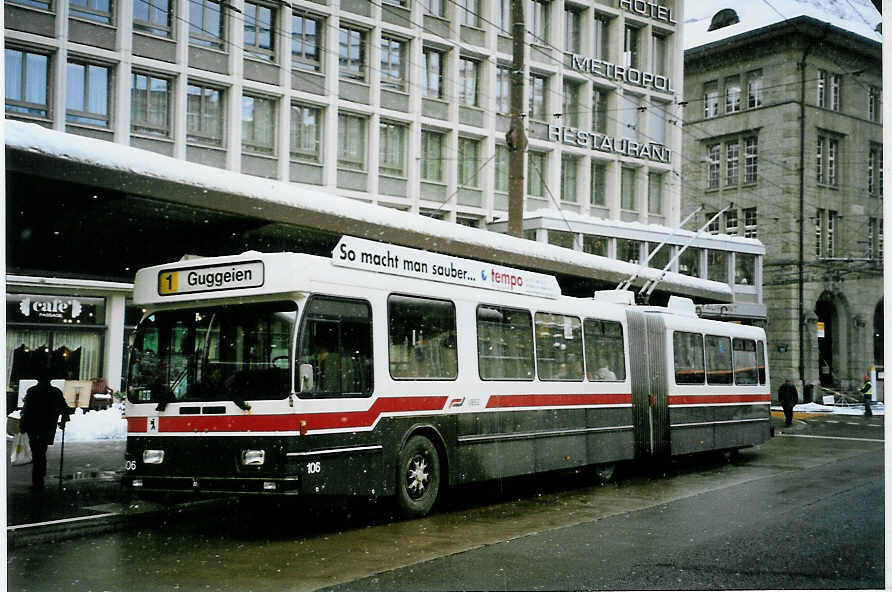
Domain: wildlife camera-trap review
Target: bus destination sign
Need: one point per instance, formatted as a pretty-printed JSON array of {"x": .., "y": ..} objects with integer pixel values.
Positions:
[
  {"x": 384, "y": 258},
  {"x": 210, "y": 278}
]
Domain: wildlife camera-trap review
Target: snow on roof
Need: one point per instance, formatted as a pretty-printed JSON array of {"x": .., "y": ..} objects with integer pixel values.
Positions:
[
  {"x": 857, "y": 16},
  {"x": 39, "y": 140}
]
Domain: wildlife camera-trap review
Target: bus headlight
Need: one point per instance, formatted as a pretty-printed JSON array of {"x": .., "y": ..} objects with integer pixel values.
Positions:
[
  {"x": 253, "y": 457},
  {"x": 153, "y": 457}
]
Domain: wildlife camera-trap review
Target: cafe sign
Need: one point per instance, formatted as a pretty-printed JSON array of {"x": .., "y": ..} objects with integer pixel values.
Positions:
[
  {"x": 33, "y": 308},
  {"x": 50, "y": 308}
]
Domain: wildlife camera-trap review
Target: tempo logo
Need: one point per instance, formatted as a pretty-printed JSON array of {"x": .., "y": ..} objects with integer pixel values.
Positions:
[
  {"x": 514, "y": 281},
  {"x": 483, "y": 274}
]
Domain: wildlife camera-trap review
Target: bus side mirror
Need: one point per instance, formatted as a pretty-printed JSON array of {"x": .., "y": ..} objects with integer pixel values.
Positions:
[{"x": 305, "y": 374}]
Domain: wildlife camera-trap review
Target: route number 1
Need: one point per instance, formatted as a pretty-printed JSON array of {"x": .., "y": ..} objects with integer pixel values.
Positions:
[{"x": 167, "y": 282}]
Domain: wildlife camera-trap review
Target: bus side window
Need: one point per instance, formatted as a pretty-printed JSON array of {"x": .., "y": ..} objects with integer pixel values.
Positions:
[
  {"x": 688, "y": 354},
  {"x": 718, "y": 360},
  {"x": 558, "y": 347},
  {"x": 336, "y": 348},
  {"x": 422, "y": 338},
  {"x": 604, "y": 354},
  {"x": 760, "y": 362},
  {"x": 745, "y": 371},
  {"x": 504, "y": 343}
]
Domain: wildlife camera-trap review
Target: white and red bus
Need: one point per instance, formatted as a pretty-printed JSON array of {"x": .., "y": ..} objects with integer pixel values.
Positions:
[{"x": 392, "y": 371}]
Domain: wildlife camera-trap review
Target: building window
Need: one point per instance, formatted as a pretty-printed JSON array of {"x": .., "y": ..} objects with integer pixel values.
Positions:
[
  {"x": 258, "y": 124},
  {"x": 469, "y": 221},
  {"x": 351, "y": 141},
  {"x": 750, "y": 223},
  {"x": 832, "y": 222},
  {"x": 827, "y": 161},
  {"x": 393, "y": 52},
  {"x": 260, "y": 23},
  {"x": 630, "y": 47},
  {"x": 595, "y": 245},
  {"x": 351, "y": 53},
  {"x": 468, "y": 72},
  {"x": 659, "y": 53},
  {"x": 712, "y": 224},
  {"x": 149, "y": 104},
  {"x": 655, "y": 193},
  {"x": 628, "y": 193},
  {"x": 572, "y": 20},
  {"x": 570, "y": 110},
  {"x": 435, "y": 7},
  {"x": 754, "y": 89},
  {"x": 153, "y": 16},
  {"x": 628, "y": 250},
  {"x": 306, "y": 42},
  {"x": 875, "y": 170},
  {"x": 731, "y": 221},
  {"x": 41, "y": 4},
  {"x": 601, "y": 37},
  {"x": 750, "y": 160},
  {"x": 503, "y": 90},
  {"x": 306, "y": 133},
  {"x": 716, "y": 266},
  {"x": 631, "y": 114},
  {"x": 27, "y": 76},
  {"x": 538, "y": 98},
  {"x": 86, "y": 96},
  {"x": 599, "y": 184},
  {"x": 392, "y": 149},
  {"x": 206, "y": 23},
  {"x": 433, "y": 73},
  {"x": 871, "y": 237},
  {"x": 835, "y": 92},
  {"x": 468, "y": 155},
  {"x": 656, "y": 127},
  {"x": 819, "y": 233},
  {"x": 711, "y": 99},
  {"x": 689, "y": 262},
  {"x": 732, "y": 162},
  {"x": 536, "y": 174},
  {"x": 713, "y": 165},
  {"x": 822, "y": 88},
  {"x": 204, "y": 115},
  {"x": 94, "y": 10},
  {"x": 432, "y": 155},
  {"x": 501, "y": 168},
  {"x": 539, "y": 22},
  {"x": 874, "y": 103},
  {"x": 469, "y": 12},
  {"x": 599, "y": 110},
  {"x": 732, "y": 94},
  {"x": 569, "y": 170},
  {"x": 505, "y": 22}
]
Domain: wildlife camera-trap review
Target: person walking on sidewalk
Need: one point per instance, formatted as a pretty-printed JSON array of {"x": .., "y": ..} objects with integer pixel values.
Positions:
[
  {"x": 43, "y": 405},
  {"x": 867, "y": 394},
  {"x": 788, "y": 396}
]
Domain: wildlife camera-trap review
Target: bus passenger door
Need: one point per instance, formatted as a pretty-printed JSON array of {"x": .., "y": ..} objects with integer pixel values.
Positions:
[{"x": 650, "y": 408}]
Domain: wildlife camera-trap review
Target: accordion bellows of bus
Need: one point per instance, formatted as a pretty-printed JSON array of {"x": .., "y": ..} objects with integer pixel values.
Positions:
[{"x": 389, "y": 371}]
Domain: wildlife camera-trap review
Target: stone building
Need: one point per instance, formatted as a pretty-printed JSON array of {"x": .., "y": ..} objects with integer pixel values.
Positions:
[{"x": 783, "y": 127}]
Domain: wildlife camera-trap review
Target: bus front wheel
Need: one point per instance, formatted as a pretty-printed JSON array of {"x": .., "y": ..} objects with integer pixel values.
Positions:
[{"x": 418, "y": 477}]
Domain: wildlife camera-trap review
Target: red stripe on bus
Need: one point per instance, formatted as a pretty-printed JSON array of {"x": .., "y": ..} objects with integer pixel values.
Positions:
[
  {"x": 290, "y": 422},
  {"x": 497, "y": 401},
  {"x": 709, "y": 399}
]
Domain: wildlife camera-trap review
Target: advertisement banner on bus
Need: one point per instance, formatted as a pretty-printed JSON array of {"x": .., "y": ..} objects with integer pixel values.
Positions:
[{"x": 364, "y": 254}]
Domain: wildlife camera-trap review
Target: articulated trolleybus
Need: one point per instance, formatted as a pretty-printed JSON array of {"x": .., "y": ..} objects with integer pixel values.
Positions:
[{"x": 392, "y": 371}]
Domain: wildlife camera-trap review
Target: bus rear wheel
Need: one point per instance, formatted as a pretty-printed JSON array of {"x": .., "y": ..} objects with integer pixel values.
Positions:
[{"x": 418, "y": 477}]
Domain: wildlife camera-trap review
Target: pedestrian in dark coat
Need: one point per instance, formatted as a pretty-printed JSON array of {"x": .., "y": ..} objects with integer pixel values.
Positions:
[
  {"x": 788, "y": 396},
  {"x": 867, "y": 394},
  {"x": 43, "y": 405}
]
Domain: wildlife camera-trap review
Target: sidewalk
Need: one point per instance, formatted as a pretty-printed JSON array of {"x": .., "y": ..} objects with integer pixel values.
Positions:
[{"x": 89, "y": 498}]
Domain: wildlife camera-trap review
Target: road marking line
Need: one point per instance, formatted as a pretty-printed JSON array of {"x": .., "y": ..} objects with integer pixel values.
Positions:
[
  {"x": 830, "y": 437},
  {"x": 63, "y": 521}
]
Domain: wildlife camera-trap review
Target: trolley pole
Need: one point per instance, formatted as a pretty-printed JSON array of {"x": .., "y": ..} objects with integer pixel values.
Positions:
[{"x": 516, "y": 137}]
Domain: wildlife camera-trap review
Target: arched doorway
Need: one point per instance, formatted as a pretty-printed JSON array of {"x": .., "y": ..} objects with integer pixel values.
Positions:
[
  {"x": 828, "y": 329},
  {"x": 878, "y": 334}
]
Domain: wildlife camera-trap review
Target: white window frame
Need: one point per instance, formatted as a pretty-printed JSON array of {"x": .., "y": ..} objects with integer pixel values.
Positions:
[
  {"x": 140, "y": 123},
  {"x": 302, "y": 59},
  {"x": 198, "y": 32},
  {"x": 22, "y": 106},
  {"x": 306, "y": 139},
  {"x": 354, "y": 127},
  {"x": 86, "y": 116},
  {"x": 350, "y": 67},
  {"x": 251, "y": 141},
  {"x": 392, "y": 148},
  {"x": 202, "y": 135},
  {"x": 254, "y": 31}
]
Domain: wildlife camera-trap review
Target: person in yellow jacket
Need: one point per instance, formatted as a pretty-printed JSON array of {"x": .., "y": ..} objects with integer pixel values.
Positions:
[{"x": 867, "y": 393}]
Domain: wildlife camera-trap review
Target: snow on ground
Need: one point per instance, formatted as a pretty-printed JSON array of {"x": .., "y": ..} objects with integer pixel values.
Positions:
[{"x": 876, "y": 408}]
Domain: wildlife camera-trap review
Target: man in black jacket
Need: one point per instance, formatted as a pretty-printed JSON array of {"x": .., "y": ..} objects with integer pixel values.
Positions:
[
  {"x": 43, "y": 405},
  {"x": 788, "y": 396}
]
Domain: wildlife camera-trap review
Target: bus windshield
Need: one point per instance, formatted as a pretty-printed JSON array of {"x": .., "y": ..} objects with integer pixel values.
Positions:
[{"x": 225, "y": 353}]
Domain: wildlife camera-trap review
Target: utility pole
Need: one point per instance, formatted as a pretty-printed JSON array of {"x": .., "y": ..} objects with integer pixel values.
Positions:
[{"x": 516, "y": 137}]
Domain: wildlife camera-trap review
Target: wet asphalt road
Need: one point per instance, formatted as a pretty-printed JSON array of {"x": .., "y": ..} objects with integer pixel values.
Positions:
[{"x": 805, "y": 510}]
